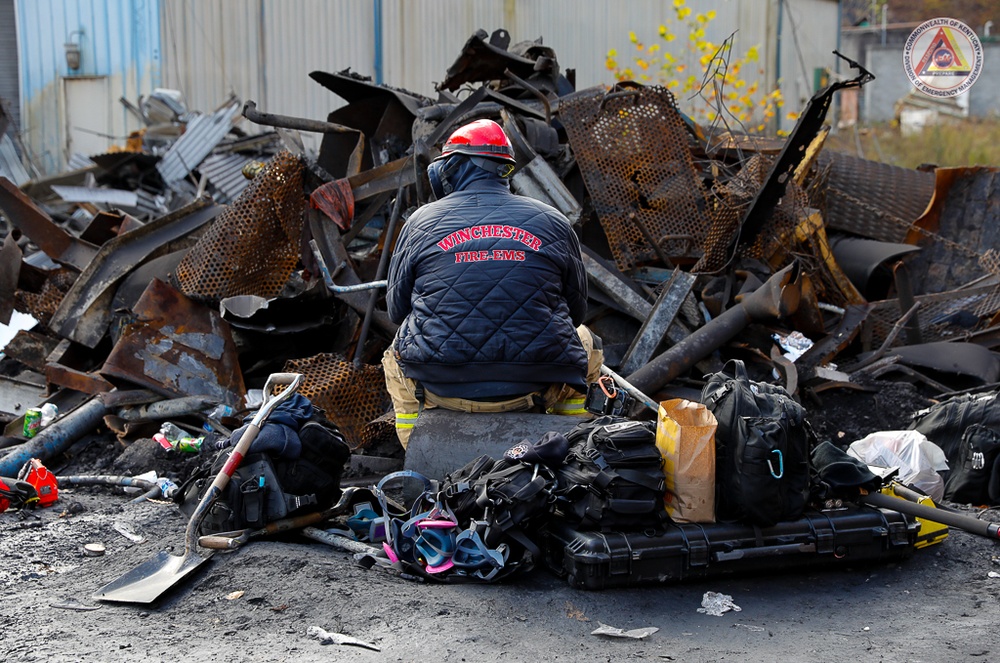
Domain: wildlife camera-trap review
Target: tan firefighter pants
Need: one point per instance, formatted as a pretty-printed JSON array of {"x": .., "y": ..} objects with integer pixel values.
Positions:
[{"x": 557, "y": 399}]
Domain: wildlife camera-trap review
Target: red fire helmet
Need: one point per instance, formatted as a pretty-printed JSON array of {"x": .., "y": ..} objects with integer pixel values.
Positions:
[{"x": 482, "y": 138}]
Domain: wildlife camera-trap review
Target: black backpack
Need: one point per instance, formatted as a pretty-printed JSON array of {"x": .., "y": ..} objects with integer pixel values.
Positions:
[
  {"x": 975, "y": 469},
  {"x": 612, "y": 477},
  {"x": 763, "y": 444},
  {"x": 265, "y": 488}
]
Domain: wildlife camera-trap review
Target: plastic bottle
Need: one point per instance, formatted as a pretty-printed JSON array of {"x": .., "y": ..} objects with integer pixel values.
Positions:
[
  {"x": 171, "y": 431},
  {"x": 180, "y": 439},
  {"x": 49, "y": 413}
]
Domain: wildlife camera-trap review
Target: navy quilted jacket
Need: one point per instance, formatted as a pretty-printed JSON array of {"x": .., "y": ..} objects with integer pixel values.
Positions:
[{"x": 488, "y": 286}]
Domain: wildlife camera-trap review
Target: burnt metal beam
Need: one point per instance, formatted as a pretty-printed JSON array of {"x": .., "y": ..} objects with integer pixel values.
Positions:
[
  {"x": 806, "y": 129},
  {"x": 54, "y": 241},
  {"x": 654, "y": 328},
  {"x": 10, "y": 269}
]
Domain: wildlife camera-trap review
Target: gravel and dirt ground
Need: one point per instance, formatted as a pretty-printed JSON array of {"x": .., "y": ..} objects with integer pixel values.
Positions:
[{"x": 259, "y": 602}]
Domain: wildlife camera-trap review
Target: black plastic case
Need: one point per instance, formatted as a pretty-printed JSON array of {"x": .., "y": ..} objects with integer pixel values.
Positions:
[{"x": 600, "y": 560}]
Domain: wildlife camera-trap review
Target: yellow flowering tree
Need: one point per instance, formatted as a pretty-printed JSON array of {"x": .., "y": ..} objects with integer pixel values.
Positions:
[{"x": 718, "y": 80}]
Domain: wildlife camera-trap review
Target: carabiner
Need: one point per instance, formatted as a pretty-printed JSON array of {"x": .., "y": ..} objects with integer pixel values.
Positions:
[{"x": 781, "y": 464}]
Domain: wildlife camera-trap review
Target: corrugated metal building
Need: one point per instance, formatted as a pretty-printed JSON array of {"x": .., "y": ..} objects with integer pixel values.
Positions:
[
  {"x": 64, "y": 109},
  {"x": 264, "y": 49}
]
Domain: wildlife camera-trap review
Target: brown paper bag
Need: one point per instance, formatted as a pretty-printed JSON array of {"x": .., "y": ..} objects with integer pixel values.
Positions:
[{"x": 685, "y": 436}]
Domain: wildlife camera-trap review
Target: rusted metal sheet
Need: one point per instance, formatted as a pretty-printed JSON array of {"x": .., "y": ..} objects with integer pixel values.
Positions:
[
  {"x": 31, "y": 349},
  {"x": 872, "y": 199},
  {"x": 253, "y": 246},
  {"x": 56, "y": 242},
  {"x": 177, "y": 347},
  {"x": 84, "y": 313},
  {"x": 383, "y": 178},
  {"x": 632, "y": 149}
]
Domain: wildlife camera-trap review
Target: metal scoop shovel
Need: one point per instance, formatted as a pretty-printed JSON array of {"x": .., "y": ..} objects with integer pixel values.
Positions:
[{"x": 146, "y": 582}]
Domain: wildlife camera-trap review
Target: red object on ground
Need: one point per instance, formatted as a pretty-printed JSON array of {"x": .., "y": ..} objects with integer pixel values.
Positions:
[{"x": 45, "y": 482}]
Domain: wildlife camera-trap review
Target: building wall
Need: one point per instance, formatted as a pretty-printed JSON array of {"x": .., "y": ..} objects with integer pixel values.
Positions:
[
  {"x": 119, "y": 42},
  {"x": 9, "y": 60},
  {"x": 264, "y": 49}
]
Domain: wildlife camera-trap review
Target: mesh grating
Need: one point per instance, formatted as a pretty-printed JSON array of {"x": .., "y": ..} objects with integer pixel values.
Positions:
[
  {"x": 734, "y": 199},
  {"x": 872, "y": 199},
  {"x": 633, "y": 152},
  {"x": 941, "y": 315},
  {"x": 352, "y": 396},
  {"x": 252, "y": 247},
  {"x": 42, "y": 305}
]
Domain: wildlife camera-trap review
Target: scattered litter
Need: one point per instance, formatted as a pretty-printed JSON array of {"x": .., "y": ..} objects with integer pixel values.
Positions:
[
  {"x": 755, "y": 629},
  {"x": 128, "y": 533},
  {"x": 795, "y": 344},
  {"x": 93, "y": 549},
  {"x": 74, "y": 605},
  {"x": 327, "y": 638},
  {"x": 635, "y": 634},
  {"x": 993, "y": 574},
  {"x": 232, "y": 596},
  {"x": 715, "y": 604}
]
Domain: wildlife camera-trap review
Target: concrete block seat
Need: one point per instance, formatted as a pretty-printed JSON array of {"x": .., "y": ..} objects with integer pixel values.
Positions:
[{"x": 444, "y": 440}]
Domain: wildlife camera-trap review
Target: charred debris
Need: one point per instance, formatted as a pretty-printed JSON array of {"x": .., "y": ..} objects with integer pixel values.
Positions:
[{"x": 173, "y": 275}]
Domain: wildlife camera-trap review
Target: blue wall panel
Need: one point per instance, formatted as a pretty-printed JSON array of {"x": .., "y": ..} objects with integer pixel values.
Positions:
[{"x": 119, "y": 39}]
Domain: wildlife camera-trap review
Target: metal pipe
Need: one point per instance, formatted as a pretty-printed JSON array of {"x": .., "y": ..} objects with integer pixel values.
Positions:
[
  {"x": 57, "y": 437},
  {"x": 168, "y": 409},
  {"x": 959, "y": 520},
  {"x": 251, "y": 113},
  {"x": 328, "y": 278},
  {"x": 383, "y": 266},
  {"x": 776, "y": 298},
  {"x": 107, "y": 480}
]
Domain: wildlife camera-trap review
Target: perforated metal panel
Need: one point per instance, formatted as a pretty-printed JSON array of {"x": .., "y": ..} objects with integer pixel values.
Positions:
[
  {"x": 252, "y": 247},
  {"x": 352, "y": 396},
  {"x": 42, "y": 305},
  {"x": 632, "y": 149}
]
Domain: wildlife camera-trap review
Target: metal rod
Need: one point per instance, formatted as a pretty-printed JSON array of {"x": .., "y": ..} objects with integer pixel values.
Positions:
[
  {"x": 630, "y": 389},
  {"x": 776, "y": 298},
  {"x": 383, "y": 266}
]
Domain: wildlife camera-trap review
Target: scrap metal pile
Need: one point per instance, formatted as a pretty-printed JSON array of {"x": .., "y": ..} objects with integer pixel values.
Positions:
[{"x": 172, "y": 276}]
